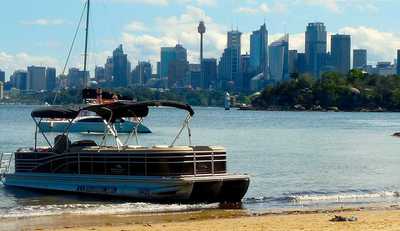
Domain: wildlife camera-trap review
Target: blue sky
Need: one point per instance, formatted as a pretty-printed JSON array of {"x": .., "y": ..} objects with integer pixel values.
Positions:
[{"x": 40, "y": 31}]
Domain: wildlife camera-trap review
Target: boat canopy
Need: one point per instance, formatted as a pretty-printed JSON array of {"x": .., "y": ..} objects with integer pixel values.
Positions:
[
  {"x": 162, "y": 103},
  {"x": 110, "y": 112},
  {"x": 55, "y": 112},
  {"x": 113, "y": 111}
]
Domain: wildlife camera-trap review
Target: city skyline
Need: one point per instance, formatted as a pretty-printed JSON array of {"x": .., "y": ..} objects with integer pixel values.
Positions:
[{"x": 45, "y": 46}]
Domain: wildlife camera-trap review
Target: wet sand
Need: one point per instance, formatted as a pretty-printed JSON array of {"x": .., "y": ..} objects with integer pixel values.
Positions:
[{"x": 368, "y": 219}]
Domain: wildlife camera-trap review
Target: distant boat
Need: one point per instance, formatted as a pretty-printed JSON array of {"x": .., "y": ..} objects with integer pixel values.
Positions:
[
  {"x": 227, "y": 103},
  {"x": 87, "y": 122},
  {"x": 90, "y": 124}
]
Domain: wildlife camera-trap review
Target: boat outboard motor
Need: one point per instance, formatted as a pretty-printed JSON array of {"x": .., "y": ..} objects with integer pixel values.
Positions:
[{"x": 61, "y": 144}]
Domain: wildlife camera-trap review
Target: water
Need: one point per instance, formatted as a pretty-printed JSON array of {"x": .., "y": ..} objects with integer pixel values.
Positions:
[{"x": 295, "y": 159}]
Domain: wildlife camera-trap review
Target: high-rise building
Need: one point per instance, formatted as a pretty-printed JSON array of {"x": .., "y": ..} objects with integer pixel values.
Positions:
[
  {"x": 293, "y": 62},
  {"x": 1, "y": 90},
  {"x": 247, "y": 71},
  {"x": 170, "y": 54},
  {"x": 301, "y": 63},
  {"x": 398, "y": 62},
  {"x": 121, "y": 67},
  {"x": 108, "y": 70},
  {"x": 194, "y": 76},
  {"x": 259, "y": 49},
  {"x": 19, "y": 80},
  {"x": 359, "y": 59},
  {"x": 51, "y": 79},
  {"x": 100, "y": 74},
  {"x": 234, "y": 39},
  {"x": 76, "y": 78},
  {"x": 315, "y": 47},
  {"x": 341, "y": 52},
  {"x": 158, "y": 70},
  {"x": 177, "y": 73},
  {"x": 230, "y": 75},
  {"x": 36, "y": 78},
  {"x": 2, "y": 76},
  {"x": 209, "y": 73},
  {"x": 142, "y": 73},
  {"x": 279, "y": 59}
]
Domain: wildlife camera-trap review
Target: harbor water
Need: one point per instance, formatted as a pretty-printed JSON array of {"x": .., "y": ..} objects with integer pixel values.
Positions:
[{"x": 296, "y": 160}]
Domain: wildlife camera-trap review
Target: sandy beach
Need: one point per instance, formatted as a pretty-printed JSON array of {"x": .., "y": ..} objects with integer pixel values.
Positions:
[{"x": 367, "y": 219}]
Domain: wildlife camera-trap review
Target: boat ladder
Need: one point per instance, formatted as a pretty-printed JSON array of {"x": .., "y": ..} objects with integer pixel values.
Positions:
[{"x": 5, "y": 162}]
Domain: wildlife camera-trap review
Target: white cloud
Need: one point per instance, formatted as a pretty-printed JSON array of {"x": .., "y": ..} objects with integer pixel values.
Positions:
[
  {"x": 44, "y": 22},
  {"x": 136, "y": 26},
  {"x": 263, "y": 8},
  {"x": 380, "y": 45},
  {"x": 12, "y": 62},
  {"x": 174, "y": 29},
  {"x": 207, "y": 2},
  {"x": 329, "y": 4},
  {"x": 337, "y": 6}
]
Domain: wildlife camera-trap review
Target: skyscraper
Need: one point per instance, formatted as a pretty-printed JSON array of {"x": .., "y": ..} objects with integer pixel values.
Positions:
[
  {"x": 279, "y": 59},
  {"x": 340, "y": 52},
  {"x": 158, "y": 70},
  {"x": 170, "y": 54},
  {"x": 259, "y": 49},
  {"x": 51, "y": 79},
  {"x": 194, "y": 77},
  {"x": 315, "y": 47},
  {"x": 108, "y": 70},
  {"x": 247, "y": 71},
  {"x": 229, "y": 66},
  {"x": 36, "y": 78},
  {"x": 293, "y": 62},
  {"x": 2, "y": 76},
  {"x": 1, "y": 90},
  {"x": 234, "y": 39},
  {"x": 142, "y": 73},
  {"x": 359, "y": 59},
  {"x": 100, "y": 74},
  {"x": 177, "y": 73},
  {"x": 398, "y": 62},
  {"x": 210, "y": 73},
  {"x": 121, "y": 67},
  {"x": 19, "y": 80},
  {"x": 76, "y": 78}
]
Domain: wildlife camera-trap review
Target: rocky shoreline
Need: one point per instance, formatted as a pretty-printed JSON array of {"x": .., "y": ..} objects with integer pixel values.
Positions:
[{"x": 314, "y": 108}]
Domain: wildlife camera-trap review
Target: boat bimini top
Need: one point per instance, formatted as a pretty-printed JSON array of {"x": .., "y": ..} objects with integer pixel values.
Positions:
[{"x": 111, "y": 113}]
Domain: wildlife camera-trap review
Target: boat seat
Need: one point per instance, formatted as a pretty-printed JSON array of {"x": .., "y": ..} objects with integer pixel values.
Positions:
[
  {"x": 83, "y": 143},
  {"x": 61, "y": 144}
]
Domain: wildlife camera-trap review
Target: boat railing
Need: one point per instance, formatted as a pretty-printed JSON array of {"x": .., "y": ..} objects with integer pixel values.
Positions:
[{"x": 6, "y": 162}]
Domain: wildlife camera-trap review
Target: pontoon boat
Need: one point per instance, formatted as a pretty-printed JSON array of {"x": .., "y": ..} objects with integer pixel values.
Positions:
[{"x": 158, "y": 173}]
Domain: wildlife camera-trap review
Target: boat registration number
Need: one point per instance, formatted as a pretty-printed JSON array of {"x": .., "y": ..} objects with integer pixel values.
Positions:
[{"x": 96, "y": 189}]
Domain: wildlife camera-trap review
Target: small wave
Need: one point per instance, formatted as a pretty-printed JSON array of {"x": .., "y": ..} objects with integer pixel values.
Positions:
[
  {"x": 100, "y": 209},
  {"x": 344, "y": 196},
  {"x": 321, "y": 197}
]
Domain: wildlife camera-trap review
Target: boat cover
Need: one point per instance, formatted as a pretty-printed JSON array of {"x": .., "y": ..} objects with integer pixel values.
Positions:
[
  {"x": 117, "y": 110},
  {"x": 109, "y": 112},
  {"x": 55, "y": 112}
]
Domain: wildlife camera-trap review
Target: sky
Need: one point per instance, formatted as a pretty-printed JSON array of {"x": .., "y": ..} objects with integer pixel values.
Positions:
[{"x": 40, "y": 32}]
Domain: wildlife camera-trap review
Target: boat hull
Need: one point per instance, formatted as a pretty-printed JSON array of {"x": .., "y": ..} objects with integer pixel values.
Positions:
[
  {"x": 216, "y": 188},
  {"x": 89, "y": 127}
]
